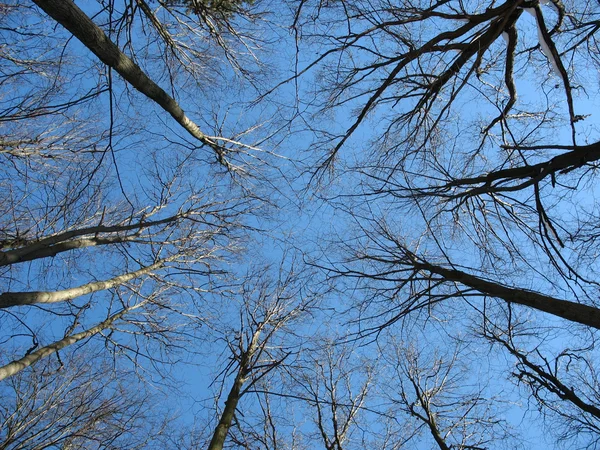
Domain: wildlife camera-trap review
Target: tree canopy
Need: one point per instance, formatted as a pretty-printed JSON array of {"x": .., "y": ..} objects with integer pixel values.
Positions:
[{"x": 342, "y": 224}]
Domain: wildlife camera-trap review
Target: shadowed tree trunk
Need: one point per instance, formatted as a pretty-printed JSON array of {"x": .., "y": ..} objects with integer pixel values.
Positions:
[{"x": 233, "y": 398}]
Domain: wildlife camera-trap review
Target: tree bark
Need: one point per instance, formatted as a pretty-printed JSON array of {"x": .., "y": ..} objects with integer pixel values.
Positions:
[
  {"x": 9, "y": 299},
  {"x": 23, "y": 255},
  {"x": 52, "y": 245},
  {"x": 15, "y": 367},
  {"x": 83, "y": 28},
  {"x": 574, "y": 312},
  {"x": 220, "y": 434},
  {"x": 235, "y": 393}
]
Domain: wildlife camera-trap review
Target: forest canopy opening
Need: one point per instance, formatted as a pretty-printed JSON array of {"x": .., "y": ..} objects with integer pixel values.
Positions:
[{"x": 343, "y": 224}]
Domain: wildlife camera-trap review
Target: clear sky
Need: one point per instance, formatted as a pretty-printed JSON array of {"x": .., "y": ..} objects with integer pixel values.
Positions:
[{"x": 298, "y": 246}]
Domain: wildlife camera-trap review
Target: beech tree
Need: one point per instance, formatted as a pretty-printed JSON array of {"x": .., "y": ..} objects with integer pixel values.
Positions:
[
  {"x": 466, "y": 145},
  {"x": 155, "y": 256},
  {"x": 334, "y": 387},
  {"x": 82, "y": 405},
  {"x": 495, "y": 190},
  {"x": 101, "y": 219},
  {"x": 268, "y": 307},
  {"x": 561, "y": 378},
  {"x": 116, "y": 227},
  {"x": 451, "y": 146},
  {"x": 440, "y": 397}
]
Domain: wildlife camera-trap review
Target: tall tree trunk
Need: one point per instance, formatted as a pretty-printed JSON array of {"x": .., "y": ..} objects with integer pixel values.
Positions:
[
  {"x": 15, "y": 367},
  {"x": 574, "y": 312},
  {"x": 10, "y": 299},
  {"x": 235, "y": 393},
  {"x": 220, "y": 434},
  {"x": 64, "y": 241},
  {"x": 83, "y": 28}
]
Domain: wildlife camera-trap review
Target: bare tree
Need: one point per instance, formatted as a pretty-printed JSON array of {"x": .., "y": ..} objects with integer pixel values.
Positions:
[
  {"x": 564, "y": 386},
  {"x": 439, "y": 396},
  {"x": 465, "y": 192},
  {"x": 106, "y": 212},
  {"x": 495, "y": 190},
  {"x": 335, "y": 387},
  {"x": 270, "y": 302},
  {"x": 157, "y": 253},
  {"x": 467, "y": 159},
  {"x": 114, "y": 229},
  {"x": 422, "y": 57},
  {"x": 82, "y": 405}
]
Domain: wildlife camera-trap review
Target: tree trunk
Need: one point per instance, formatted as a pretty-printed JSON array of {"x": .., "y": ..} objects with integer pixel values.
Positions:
[
  {"x": 60, "y": 242},
  {"x": 14, "y": 367},
  {"x": 83, "y": 28},
  {"x": 220, "y": 434},
  {"x": 9, "y": 299},
  {"x": 235, "y": 393},
  {"x": 574, "y": 312}
]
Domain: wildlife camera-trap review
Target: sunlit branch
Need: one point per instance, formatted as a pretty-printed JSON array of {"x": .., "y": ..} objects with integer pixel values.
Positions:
[{"x": 83, "y": 28}]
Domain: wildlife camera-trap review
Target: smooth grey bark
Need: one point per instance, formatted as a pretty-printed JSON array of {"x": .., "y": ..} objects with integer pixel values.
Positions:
[
  {"x": 64, "y": 241},
  {"x": 220, "y": 434},
  {"x": 9, "y": 299},
  {"x": 66, "y": 13},
  {"x": 14, "y": 367},
  {"x": 28, "y": 254}
]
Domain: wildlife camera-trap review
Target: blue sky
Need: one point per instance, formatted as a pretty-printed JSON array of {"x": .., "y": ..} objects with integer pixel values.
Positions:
[{"x": 287, "y": 213}]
